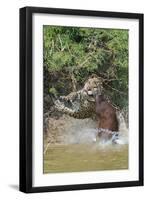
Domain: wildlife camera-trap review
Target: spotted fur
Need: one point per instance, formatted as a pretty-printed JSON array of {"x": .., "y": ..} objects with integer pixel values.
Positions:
[{"x": 81, "y": 104}]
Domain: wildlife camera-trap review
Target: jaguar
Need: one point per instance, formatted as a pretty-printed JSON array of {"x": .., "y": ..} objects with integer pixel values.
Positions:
[{"x": 81, "y": 104}]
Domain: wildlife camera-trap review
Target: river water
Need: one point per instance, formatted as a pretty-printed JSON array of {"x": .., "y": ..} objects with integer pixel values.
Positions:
[
  {"x": 73, "y": 148},
  {"x": 85, "y": 157}
]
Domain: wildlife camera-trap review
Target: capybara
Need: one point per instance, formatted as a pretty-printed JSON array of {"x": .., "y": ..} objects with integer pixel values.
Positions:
[{"x": 107, "y": 118}]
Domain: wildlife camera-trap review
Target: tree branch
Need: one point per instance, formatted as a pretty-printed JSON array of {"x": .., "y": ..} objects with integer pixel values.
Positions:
[
  {"x": 116, "y": 90},
  {"x": 62, "y": 48}
]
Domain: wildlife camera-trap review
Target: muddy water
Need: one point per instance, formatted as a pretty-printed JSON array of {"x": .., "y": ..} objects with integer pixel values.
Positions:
[
  {"x": 85, "y": 157},
  {"x": 71, "y": 146}
]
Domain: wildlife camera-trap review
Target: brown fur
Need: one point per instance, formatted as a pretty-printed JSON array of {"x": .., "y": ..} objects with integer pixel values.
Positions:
[{"x": 106, "y": 114}]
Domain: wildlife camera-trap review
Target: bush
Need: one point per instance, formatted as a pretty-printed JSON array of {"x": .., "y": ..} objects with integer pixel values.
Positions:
[{"x": 71, "y": 54}]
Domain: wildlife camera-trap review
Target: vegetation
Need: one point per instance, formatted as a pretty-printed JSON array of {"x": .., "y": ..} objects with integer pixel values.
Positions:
[{"x": 72, "y": 54}]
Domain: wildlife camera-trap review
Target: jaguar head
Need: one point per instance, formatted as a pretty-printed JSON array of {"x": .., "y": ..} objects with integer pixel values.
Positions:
[{"x": 93, "y": 86}]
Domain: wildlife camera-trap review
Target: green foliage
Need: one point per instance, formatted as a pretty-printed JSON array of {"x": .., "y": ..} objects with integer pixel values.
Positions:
[
  {"x": 81, "y": 52},
  {"x": 53, "y": 91}
]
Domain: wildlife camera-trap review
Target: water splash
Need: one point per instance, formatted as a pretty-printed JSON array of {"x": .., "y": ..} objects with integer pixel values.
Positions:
[
  {"x": 68, "y": 130},
  {"x": 71, "y": 146},
  {"x": 84, "y": 135}
]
